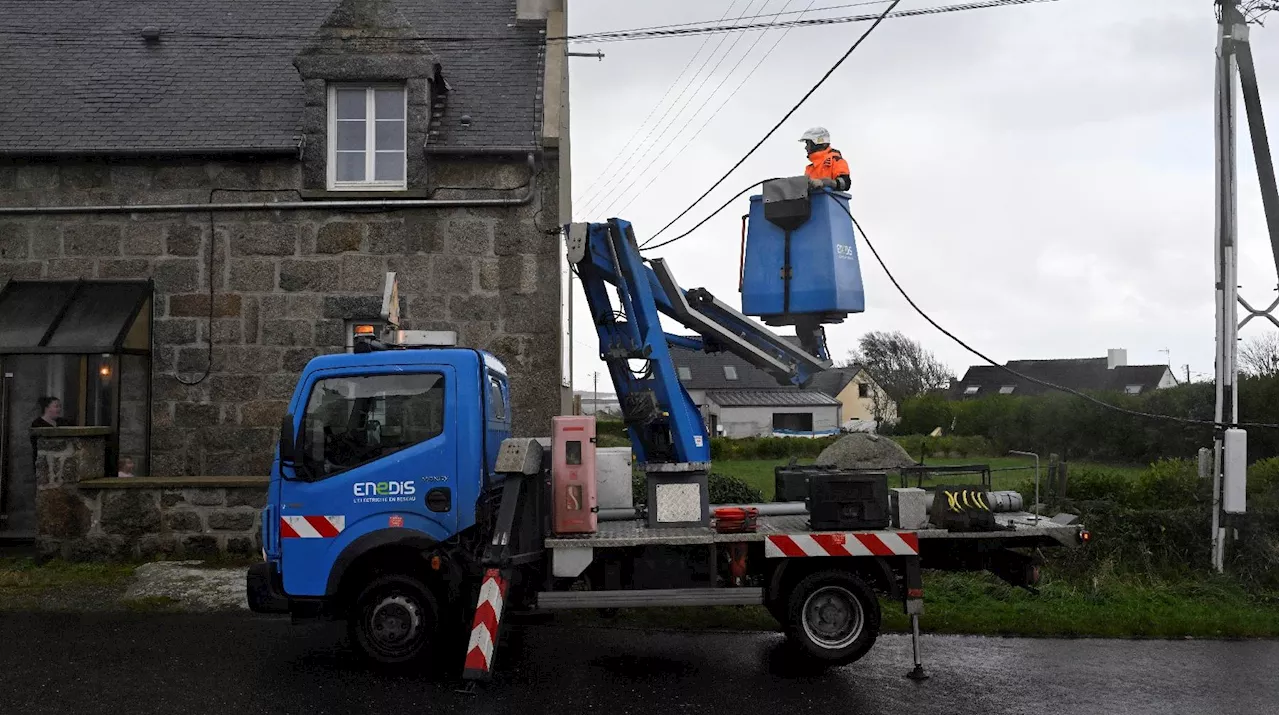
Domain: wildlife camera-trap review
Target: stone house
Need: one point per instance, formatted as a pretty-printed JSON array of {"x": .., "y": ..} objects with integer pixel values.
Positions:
[{"x": 247, "y": 174}]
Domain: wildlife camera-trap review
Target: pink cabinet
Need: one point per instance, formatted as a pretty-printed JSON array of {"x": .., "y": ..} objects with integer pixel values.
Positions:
[{"x": 573, "y": 475}]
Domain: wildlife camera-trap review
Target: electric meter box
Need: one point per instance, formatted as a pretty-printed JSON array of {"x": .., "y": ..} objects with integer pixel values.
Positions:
[
  {"x": 798, "y": 262},
  {"x": 573, "y": 475}
]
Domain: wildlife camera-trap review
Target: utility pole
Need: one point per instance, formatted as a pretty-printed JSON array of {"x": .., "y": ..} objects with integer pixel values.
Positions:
[
  {"x": 595, "y": 392},
  {"x": 1230, "y": 28}
]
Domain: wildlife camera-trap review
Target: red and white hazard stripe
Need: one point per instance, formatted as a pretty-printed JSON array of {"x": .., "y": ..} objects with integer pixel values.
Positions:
[
  {"x": 311, "y": 527},
  {"x": 484, "y": 629},
  {"x": 878, "y": 543}
]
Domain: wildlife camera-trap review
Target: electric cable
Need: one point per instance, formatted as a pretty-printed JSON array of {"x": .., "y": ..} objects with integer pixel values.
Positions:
[
  {"x": 641, "y": 33},
  {"x": 626, "y": 195},
  {"x": 1028, "y": 378},
  {"x": 713, "y": 114},
  {"x": 785, "y": 117},
  {"x": 613, "y": 190},
  {"x": 692, "y": 58},
  {"x": 646, "y": 247}
]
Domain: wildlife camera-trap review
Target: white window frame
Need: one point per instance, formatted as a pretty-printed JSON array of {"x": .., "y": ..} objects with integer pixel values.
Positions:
[{"x": 370, "y": 139}]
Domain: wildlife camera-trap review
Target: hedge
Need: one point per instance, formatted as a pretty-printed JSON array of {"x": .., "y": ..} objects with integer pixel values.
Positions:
[
  {"x": 1078, "y": 429},
  {"x": 721, "y": 489},
  {"x": 1159, "y": 522}
]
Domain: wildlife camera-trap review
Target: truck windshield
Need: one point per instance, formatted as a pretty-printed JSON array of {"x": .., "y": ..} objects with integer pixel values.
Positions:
[{"x": 351, "y": 421}]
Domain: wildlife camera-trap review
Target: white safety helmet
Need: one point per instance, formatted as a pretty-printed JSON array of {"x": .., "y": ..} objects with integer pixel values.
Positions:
[{"x": 817, "y": 135}]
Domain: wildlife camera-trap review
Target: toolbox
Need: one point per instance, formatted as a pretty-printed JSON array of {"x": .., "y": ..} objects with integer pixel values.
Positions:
[{"x": 848, "y": 499}]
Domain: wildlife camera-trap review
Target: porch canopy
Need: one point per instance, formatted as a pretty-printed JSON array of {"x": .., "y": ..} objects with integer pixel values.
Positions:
[{"x": 75, "y": 317}]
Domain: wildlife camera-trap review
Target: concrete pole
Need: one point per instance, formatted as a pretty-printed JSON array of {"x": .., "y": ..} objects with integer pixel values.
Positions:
[{"x": 1231, "y": 29}]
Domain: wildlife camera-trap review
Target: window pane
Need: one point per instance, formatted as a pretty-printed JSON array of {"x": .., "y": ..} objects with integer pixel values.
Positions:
[
  {"x": 350, "y": 103},
  {"x": 389, "y": 136},
  {"x": 350, "y": 166},
  {"x": 388, "y": 103},
  {"x": 354, "y": 420},
  {"x": 388, "y": 166},
  {"x": 350, "y": 136}
]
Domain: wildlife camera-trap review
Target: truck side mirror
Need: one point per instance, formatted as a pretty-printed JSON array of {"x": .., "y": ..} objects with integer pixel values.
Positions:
[{"x": 288, "y": 440}]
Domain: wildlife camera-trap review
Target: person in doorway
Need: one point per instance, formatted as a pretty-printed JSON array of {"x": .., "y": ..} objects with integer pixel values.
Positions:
[
  {"x": 827, "y": 168},
  {"x": 124, "y": 467},
  {"x": 50, "y": 416}
]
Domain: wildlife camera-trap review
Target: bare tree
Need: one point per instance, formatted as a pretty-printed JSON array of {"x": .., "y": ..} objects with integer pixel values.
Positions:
[
  {"x": 900, "y": 366},
  {"x": 1258, "y": 356}
]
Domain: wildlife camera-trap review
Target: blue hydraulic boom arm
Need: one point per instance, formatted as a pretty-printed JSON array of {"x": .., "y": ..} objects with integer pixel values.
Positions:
[{"x": 665, "y": 425}]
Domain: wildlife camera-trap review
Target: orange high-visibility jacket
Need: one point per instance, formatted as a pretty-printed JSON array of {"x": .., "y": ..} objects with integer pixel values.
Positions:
[{"x": 829, "y": 164}]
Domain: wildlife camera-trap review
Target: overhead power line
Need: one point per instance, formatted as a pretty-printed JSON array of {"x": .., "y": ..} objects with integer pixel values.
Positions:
[
  {"x": 622, "y": 193},
  {"x": 632, "y": 197},
  {"x": 1019, "y": 375},
  {"x": 640, "y": 33},
  {"x": 662, "y": 126},
  {"x": 625, "y": 147},
  {"x": 780, "y": 122}
]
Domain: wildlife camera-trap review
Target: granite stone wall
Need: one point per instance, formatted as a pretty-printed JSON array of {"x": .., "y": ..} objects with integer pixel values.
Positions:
[
  {"x": 82, "y": 516},
  {"x": 284, "y": 282}
]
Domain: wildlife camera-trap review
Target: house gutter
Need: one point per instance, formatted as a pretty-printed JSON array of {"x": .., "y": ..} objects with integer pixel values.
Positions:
[{"x": 521, "y": 200}]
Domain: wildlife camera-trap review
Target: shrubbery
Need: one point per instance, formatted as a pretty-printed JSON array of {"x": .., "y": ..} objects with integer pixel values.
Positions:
[
  {"x": 721, "y": 489},
  {"x": 1078, "y": 429},
  {"x": 1159, "y": 522}
]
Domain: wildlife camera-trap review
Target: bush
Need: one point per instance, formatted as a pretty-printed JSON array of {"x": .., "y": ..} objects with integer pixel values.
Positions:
[
  {"x": 946, "y": 446},
  {"x": 1079, "y": 429},
  {"x": 768, "y": 447},
  {"x": 721, "y": 489}
]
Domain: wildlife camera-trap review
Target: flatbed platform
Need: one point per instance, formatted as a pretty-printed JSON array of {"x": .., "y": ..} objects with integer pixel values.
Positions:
[{"x": 634, "y": 532}]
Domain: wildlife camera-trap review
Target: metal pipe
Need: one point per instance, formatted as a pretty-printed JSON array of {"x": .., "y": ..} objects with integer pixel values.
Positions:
[
  {"x": 278, "y": 205},
  {"x": 481, "y": 150},
  {"x": 772, "y": 509},
  {"x": 1001, "y": 502},
  {"x": 133, "y": 153}
]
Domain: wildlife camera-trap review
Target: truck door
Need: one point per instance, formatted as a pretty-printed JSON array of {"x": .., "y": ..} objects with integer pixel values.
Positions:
[{"x": 376, "y": 451}]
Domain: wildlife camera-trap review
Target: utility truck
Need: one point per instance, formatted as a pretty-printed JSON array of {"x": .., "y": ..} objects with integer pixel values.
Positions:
[{"x": 400, "y": 501}]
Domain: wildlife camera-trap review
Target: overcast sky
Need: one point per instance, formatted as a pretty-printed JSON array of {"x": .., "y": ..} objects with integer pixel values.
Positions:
[{"x": 1039, "y": 178}]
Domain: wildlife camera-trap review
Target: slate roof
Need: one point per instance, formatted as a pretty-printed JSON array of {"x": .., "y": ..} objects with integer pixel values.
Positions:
[
  {"x": 1079, "y": 374},
  {"x": 77, "y": 77},
  {"x": 832, "y": 382},
  {"x": 771, "y": 398},
  {"x": 707, "y": 371}
]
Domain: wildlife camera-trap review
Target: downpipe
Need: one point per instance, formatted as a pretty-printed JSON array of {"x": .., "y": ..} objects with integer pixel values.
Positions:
[{"x": 520, "y": 200}]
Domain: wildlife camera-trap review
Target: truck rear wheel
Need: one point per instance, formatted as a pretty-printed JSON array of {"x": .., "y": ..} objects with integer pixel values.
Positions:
[
  {"x": 833, "y": 616},
  {"x": 393, "y": 620}
]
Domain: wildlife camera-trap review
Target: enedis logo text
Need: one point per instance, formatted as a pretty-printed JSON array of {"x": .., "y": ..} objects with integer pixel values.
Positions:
[{"x": 384, "y": 491}]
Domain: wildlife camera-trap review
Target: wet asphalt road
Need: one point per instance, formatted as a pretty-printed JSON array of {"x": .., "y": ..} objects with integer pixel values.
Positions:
[{"x": 235, "y": 664}]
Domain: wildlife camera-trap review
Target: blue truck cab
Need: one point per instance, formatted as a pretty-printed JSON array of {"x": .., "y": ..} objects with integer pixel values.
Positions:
[{"x": 382, "y": 457}]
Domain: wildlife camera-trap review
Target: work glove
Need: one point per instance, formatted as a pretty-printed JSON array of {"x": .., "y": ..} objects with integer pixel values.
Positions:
[
  {"x": 815, "y": 183},
  {"x": 822, "y": 183}
]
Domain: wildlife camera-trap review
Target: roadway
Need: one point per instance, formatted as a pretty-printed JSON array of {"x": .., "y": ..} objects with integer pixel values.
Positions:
[{"x": 233, "y": 663}]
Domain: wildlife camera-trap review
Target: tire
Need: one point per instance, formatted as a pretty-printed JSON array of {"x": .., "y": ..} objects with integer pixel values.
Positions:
[
  {"x": 833, "y": 616},
  {"x": 394, "y": 620}
]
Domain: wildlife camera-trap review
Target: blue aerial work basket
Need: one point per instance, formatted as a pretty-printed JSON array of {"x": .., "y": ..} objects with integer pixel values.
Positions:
[{"x": 800, "y": 262}]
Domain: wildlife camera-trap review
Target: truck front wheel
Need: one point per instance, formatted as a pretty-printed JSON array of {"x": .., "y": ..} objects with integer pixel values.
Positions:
[
  {"x": 393, "y": 620},
  {"x": 833, "y": 616}
]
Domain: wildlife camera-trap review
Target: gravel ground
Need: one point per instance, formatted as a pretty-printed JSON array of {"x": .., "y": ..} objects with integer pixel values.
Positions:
[
  {"x": 865, "y": 451},
  {"x": 188, "y": 586}
]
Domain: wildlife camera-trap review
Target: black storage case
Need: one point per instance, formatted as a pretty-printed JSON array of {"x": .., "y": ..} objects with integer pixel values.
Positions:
[{"x": 848, "y": 499}]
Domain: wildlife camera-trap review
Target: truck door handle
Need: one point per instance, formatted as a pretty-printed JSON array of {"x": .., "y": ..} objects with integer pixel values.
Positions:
[{"x": 439, "y": 499}]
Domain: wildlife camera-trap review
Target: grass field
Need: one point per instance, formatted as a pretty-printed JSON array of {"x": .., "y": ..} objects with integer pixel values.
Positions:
[{"x": 980, "y": 604}]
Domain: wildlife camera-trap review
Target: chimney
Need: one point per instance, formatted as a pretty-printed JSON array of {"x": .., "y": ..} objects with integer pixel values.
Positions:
[{"x": 1117, "y": 357}]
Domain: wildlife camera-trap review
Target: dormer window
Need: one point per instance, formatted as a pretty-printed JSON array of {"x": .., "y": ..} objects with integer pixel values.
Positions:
[{"x": 367, "y": 137}]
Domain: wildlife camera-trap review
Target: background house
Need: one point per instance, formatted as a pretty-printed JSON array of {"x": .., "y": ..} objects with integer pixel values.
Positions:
[
  {"x": 179, "y": 109},
  {"x": 859, "y": 396},
  {"x": 739, "y": 400},
  {"x": 1106, "y": 374}
]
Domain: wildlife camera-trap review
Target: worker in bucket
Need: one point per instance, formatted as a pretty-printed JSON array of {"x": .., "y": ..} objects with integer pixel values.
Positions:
[{"x": 826, "y": 169}]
